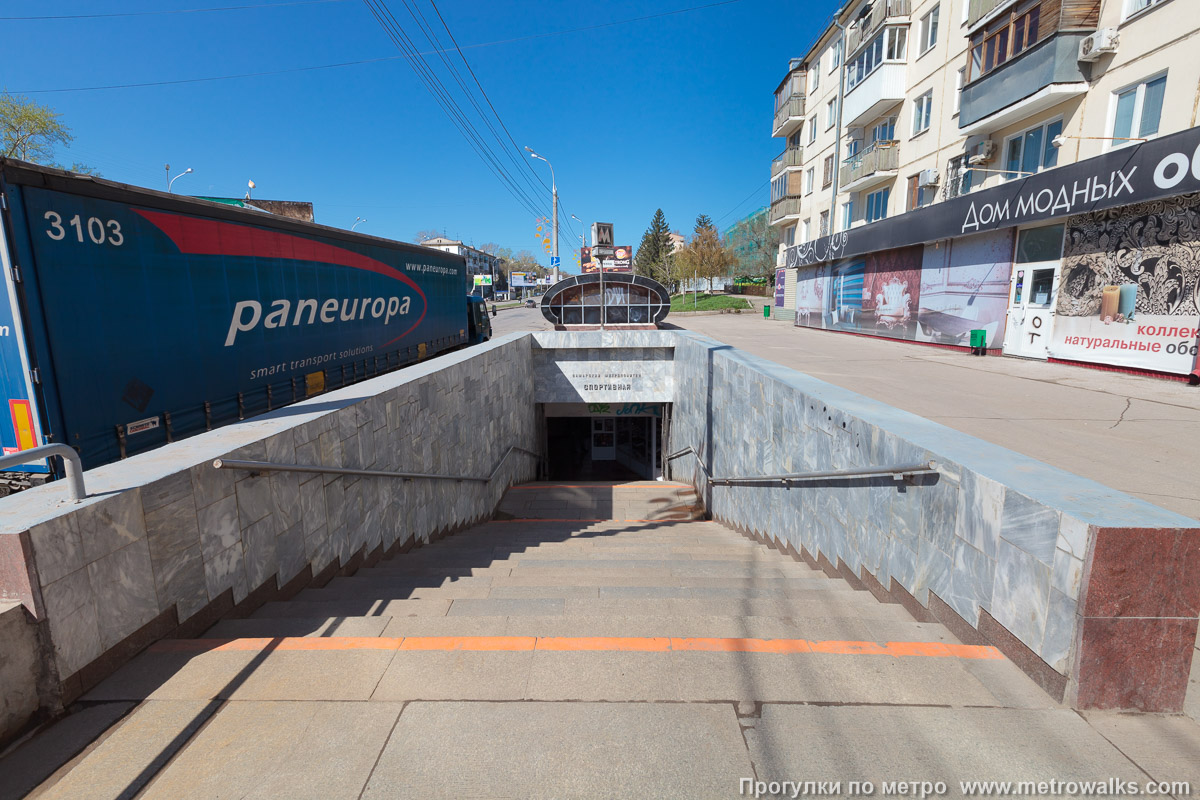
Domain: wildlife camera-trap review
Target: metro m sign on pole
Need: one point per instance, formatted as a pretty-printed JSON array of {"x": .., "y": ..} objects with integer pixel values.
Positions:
[{"x": 602, "y": 234}]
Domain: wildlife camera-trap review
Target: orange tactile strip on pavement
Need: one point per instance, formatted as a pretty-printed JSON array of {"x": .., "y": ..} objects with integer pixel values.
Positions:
[
  {"x": 618, "y": 486},
  {"x": 578, "y": 644}
]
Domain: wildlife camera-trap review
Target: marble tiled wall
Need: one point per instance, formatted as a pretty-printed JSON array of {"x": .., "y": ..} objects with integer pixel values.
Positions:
[
  {"x": 569, "y": 366},
  {"x": 994, "y": 532},
  {"x": 165, "y": 529}
]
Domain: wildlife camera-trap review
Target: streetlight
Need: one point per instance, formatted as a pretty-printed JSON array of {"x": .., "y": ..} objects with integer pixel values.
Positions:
[
  {"x": 171, "y": 182},
  {"x": 554, "y": 218},
  {"x": 358, "y": 221}
]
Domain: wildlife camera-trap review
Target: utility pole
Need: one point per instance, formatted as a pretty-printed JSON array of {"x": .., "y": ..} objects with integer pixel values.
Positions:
[
  {"x": 554, "y": 224},
  {"x": 554, "y": 199}
]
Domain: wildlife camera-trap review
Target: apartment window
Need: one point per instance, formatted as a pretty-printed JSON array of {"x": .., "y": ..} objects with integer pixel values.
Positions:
[
  {"x": 847, "y": 214},
  {"x": 1138, "y": 110},
  {"x": 1004, "y": 38},
  {"x": 852, "y": 148},
  {"x": 1133, "y": 7},
  {"x": 794, "y": 140},
  {"x": 812, "y": 129},
  {"x": 958, "y": 177},
  {"x": 929, "y": 29},
  {"x": 830, "y": 114},
  {"x": 824, "y": 224},
  {"x": 789, "y": 236},
  {"x": 958, "y": 84},
  {"x": 1032, "y": 151},
  {"x": 835, "y": 55},
  {"x": 918, "y": 196},
  {"x": 814, "y": 77},
  {"x": 923, "y": 112},
  {"x": 877, "y": 205},
  {"x": 804, "y": 230},
  {"x": 778, "y": 188},
  {"x": 888, "y": 45},
  {"x": 884, "y": 132},
  {"x": 827, "y": 171},
  {"x": 809, "y": 176}
]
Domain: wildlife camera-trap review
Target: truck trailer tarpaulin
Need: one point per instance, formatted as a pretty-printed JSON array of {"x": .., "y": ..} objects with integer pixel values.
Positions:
[{"x": 132, "y": 317}]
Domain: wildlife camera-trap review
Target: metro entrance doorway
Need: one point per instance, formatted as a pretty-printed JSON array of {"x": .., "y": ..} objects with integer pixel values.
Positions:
[{"x": 604, "y": 441}]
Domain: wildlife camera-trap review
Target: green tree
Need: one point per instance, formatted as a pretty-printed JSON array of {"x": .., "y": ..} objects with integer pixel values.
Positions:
[
  {"x": 30, "y": 131},
  {"x": 655, "y": 253},
  {"x": 705, "y": 256},
  {"x": 704, "y": 221}
]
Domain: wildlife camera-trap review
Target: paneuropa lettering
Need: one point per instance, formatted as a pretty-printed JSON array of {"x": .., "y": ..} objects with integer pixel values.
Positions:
[{"x": 249, "y": 314}]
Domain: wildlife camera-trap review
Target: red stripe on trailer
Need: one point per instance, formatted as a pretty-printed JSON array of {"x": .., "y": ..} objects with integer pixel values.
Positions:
[{"x": 210, "y": 237}]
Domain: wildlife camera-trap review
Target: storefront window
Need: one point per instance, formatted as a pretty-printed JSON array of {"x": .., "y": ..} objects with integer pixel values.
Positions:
[{"x": 1039, "y": 244}]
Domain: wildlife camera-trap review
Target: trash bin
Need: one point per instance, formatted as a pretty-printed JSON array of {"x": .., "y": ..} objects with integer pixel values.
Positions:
[
  {"x": 766, "y": 312},
  {"x": 978, "y": 342}
]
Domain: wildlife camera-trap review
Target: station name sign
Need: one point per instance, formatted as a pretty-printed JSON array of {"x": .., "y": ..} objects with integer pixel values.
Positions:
[{"x": 1147, "y": 171}]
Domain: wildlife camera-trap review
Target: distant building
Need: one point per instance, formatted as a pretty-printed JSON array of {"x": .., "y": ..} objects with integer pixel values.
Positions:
[
  {"x": 735, "y": 235},
  {"x": 478, "y": 262},
  {"x": 677, "y": 241},
  {"x": 292, "y": 209}
]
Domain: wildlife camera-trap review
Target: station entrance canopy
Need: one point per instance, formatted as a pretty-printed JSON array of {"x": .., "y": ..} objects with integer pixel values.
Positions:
[{"x": 612, "y": 298}]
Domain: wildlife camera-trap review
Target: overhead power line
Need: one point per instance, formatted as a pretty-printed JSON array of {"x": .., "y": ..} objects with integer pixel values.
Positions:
[
  {"x": 340, "y": 64},
  {"x": 453, "y": 110},
  {"x": 170, "y": 11},
  {"x": 748, "y": 197}
]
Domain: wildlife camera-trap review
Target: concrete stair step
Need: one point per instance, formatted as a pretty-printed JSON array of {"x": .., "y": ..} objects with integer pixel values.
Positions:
[
  {"x": 355, "y": 590},
  {"x": 270, "y": 627}
]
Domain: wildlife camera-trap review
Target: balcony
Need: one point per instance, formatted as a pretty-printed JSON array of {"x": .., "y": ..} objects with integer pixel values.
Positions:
[
  {"x": 1043, "y": 76},
  {"x": 980, "y": 9},
  {"x": 865, "y": 28},
  {"x": 789, "y": 115},
  {"x": 788, "y": 159},
  {"x": 878, "y": 163},
  {"x": 785, "y": 210},
  {"x": 879, "y": 91}
]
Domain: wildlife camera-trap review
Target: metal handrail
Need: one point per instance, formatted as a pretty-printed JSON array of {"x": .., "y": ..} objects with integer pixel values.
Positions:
[
  {"x": 898, "y": 472},
  {"x": 71, "y": 463},
  {"x": 268, "y": 466}
]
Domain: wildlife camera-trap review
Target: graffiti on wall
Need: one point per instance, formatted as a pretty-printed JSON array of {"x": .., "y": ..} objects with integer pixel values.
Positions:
[{"x": 1130, "y": 286}]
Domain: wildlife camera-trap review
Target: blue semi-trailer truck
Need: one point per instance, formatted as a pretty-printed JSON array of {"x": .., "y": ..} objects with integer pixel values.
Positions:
[{"x": 131, "y": 318}]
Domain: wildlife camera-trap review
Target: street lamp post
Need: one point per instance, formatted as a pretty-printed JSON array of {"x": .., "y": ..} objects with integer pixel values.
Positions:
[
  {"x": 554, "y": 216},
  {"x": 171, "y": 182},
  {"x": 357, "y": 221},
  {"x": 583, "y": 243}
]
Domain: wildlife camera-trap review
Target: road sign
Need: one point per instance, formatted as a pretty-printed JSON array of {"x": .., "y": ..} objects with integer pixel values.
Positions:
[{"x": 555, "y": 261}]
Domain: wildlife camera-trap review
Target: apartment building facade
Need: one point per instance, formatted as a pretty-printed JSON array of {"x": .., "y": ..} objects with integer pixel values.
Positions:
[
  {"x": 478, "y": 262},
  {"x": 932, "y": 179}
]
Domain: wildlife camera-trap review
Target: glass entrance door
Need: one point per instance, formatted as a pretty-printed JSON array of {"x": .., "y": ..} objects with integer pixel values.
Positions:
[
  {"x": 1033, "y": 292},
  {"x": 604, "y": 438},
  {"x": 1031, "y": 309}
]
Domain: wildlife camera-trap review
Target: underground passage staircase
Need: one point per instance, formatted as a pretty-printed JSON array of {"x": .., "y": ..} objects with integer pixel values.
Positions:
[{"x": 595, "y": 640}]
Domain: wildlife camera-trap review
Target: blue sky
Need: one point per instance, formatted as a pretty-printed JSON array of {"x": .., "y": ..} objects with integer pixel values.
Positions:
[{"x": 672, "y": 112}]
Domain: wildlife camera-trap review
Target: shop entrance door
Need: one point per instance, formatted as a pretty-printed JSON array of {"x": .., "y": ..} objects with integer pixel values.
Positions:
[
  {"x": 1033, "y": 291},
  {"x": 1031, "y": 309}
]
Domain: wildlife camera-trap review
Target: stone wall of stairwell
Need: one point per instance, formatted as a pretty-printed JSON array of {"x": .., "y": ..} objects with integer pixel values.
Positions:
[
  {"x": 165, "y": 539},
  {"x": 1094, "y": 593},
  {"x": 20, "y": 671}
]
